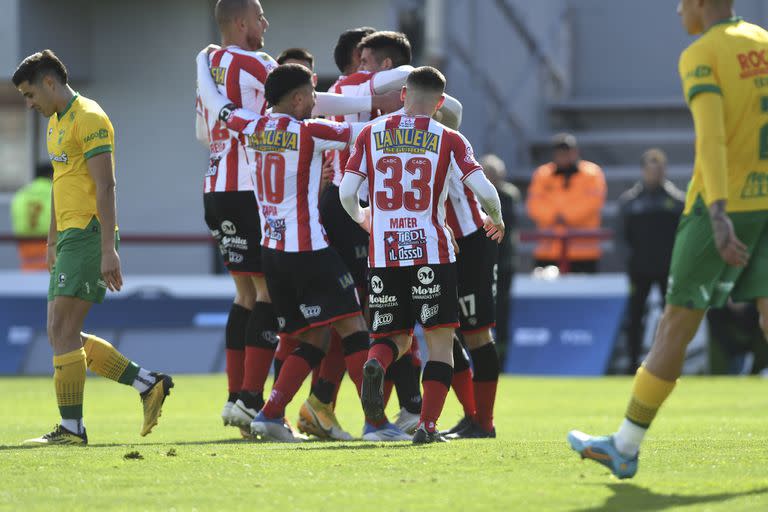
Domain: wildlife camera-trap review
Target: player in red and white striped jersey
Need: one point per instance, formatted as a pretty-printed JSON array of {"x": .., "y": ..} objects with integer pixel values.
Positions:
[
  {"x": 406, "y": 160},
  {"x": 476, "y": 265},
  {"x": 308, "y": 282}
]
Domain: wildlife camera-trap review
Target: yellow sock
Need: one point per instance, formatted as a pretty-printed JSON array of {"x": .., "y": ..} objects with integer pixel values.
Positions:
[
  {"x": 69, "y": 380},
  {"x": 648, "y": 393},
  {"x": 105, "y": 360}
]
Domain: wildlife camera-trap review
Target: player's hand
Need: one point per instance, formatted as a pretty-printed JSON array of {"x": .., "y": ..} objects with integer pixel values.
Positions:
[
  {"x": 493, "y": 231},
  {"x": 110, "y": 270},
  {"x": 387, "y": 102},
  {"x": 454, "y": 243},
  {"x": 327, "y": 175},
  {"x": 731, "y": 249},
  {"x": 366, "y": 224},
  {"x": 50, "y": 258},
  {"x": 211, "y": 48}
]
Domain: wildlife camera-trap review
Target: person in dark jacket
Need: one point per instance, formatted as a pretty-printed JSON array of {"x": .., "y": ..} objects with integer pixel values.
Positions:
[
  {"x": 509, "y": 195},
  {"x": 649, "y": 213}
]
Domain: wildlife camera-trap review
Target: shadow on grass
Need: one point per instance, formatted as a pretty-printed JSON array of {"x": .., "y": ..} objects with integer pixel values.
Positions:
[{"x": 634, "y": 498}]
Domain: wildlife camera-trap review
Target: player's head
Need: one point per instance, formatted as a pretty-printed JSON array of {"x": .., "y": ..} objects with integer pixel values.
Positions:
[
  {"x": 423, "y": 91},
  {"x": 695, "y": 12},
  {"x": 242, "y": 22},
  {"x": 384, "y": 50},
  {"x": 299, "y": 56},
  {"x": 565, "y": 150},
  {"x": 40, "y": 78},
  {"x": 289, "y": 90},
  {"x": 494, "y": 168},
  {"x": 654, "y": 163},
  {"x": 347, "y": 54}
]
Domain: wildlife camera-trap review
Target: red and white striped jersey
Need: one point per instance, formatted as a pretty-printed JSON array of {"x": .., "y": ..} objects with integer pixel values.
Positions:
[
  {"x": 356, "y": 84},
  {"x": 287, "y": 173},
  {"x": 240, "y": 76},
  {"x": 407, "y": 161},
  {"x": 462, "y": 210}
]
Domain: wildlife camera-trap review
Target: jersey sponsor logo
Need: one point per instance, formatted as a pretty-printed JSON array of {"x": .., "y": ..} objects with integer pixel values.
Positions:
[
  {"x": 699, "y": 72},
  {"x": 98, "y": 134},
  {"x": 383, "y": 301},
  {"x": 382, "y": 319},
  {"x": 310, "y": 311},
  {"x": 405, "y": 245},
  {"x": 270, "y": 337},
  {"x": 213, "y": 167},
  {"x": 281, "y": 322},
  {"x": 402, "y": 223},
  {"x": 219, "y": 75},
  {"x": 228, "y": 227},
  {"x": 755, "y": 186},
  {"x": 425, "y": 292},
  {"x": 235, "y": 257},
  {"x": 274, "y": 140},
  {"x": 235, "y": 242},
  {"x": 61, "y": 135},
  {"x": 406, "y": 141},
  {"x": 377, "y": 285},
  {"x": 469, "y": 157},
  {"x": 753, "y": 63},
  {"x": 275, "y": 229},
  {"x": 428, "y": 312},
  {"x": 62, "y": 158},
  {"x": 346, "y": 281},
  {"x": 425, "y": 275},
  {"x": 62, "y": 280}
]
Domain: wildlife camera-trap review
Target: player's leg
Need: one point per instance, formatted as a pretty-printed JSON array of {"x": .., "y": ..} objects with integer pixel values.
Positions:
[
  {"x": 234, "y": 340},
  {"x": 330, "y": 372},
  {"x": 462, "y": 386},
  {"x": 438, "y": 373},
  {"x": 406, "y": 377}
]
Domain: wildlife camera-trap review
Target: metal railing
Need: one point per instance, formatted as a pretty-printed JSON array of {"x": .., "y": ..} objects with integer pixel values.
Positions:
[{"x": 566, "y": 238}]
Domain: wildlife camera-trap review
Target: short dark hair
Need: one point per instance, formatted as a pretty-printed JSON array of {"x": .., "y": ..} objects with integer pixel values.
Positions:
[
  {"x": 38, "y": 65},
  {"x": 654, "y": 156},
  {"x": 564, "y": 141},
  {"x": 285, "y": 79},
  {"x": 427, "y": 79},
  {"x": 227, "y": 10},
  {"x": 394, "y": 45},
  {"x": 348, "y": 41},
  {"x": 301, "y": 54}
]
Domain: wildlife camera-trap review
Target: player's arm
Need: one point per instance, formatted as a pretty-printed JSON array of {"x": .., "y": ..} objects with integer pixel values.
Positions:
[
  {"x": 332, "y": 104},
  {"x": 354, "y": 176},
  {"x": 201, "y": 127},
  {"x": 451, "y": 112},
  {"x": 101, "y": 170}
]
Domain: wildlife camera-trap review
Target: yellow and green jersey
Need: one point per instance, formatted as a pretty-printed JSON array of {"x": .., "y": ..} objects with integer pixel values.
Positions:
[
  {"x": 731, "y": 59},
  {"x": 80, "y": 132}
]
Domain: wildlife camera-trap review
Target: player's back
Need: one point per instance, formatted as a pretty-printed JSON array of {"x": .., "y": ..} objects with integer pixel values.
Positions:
[
  {"x": 239, "y": 75},
  {"x": 407, "y": 160},
  {"x": 731, "y": 59},
  {"x": 287, "y": 177}
]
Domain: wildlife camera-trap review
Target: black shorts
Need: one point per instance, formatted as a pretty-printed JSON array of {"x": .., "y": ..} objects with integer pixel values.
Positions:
[
  {"x": 398, "y": 297},
  {"x": 477, "y": 268},
  {"x": 345, "y": 235},
  {"x": 233, "y": 219},
  {"x": 309, "y": 289}
]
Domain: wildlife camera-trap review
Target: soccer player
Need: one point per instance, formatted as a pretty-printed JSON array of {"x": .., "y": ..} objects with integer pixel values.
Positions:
[
  {"x": 476, "y": 267},
  {"x": 406, "y": 160},
  {"x": 721, "y": 248},
  {"x": 308, "y": 281},
  {"x": 82, "y": 247}
]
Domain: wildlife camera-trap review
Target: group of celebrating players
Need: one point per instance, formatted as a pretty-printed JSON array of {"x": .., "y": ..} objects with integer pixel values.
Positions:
[{"x": 342, "y": 234}]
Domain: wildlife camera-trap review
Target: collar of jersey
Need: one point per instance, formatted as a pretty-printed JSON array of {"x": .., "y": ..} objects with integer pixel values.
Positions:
[
  {"x": 280, "y": 114},
  {"x": 69, "y": 106},
  {"x": 726, "y": 21}
]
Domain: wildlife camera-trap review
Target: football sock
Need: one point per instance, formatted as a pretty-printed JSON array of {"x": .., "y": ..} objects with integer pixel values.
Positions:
[
  {"x": 648, "y": 393},
  {"x": 260, "y": 344},
  {"x": 295, "y": 369},
  {"x": 406, "y": 378},
  {"x": 252, "y": 399},
  {"x": 285, "y": 347},
  {"x": 355, "y": 348},
  {"x": 69, "y": 381},
  {"x": 384, "y": 351},
  {"x": 234, "y": 343},
  {"x": 462, "y": 380},
  {"x": 436, "y": 381},
  {"x": 104, "y": 359},
  {"x": 486, "y": 380},
  {"x": 331, "y": 371}
]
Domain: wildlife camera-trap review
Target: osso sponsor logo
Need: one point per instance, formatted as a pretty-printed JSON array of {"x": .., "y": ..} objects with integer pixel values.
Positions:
[
  {"x": 532, "y": 336},
  {"x": 576, "y": 337}
]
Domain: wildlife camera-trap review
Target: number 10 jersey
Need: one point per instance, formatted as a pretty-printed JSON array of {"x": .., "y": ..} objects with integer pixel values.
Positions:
[{"x": 407, "y": 160}]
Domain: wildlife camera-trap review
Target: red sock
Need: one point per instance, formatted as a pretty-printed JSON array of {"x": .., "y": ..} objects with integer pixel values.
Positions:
[
  {"x": 235, "y": 361},
  {"x": 465, "y": 392},
  {"x": 354, "y": 363},
  {"x": 258, "y": 361},
  {"x": 382, "y": 353},
  {"x": 485, "y": 394},
  {"x": 295, "y": 369},
  {"x": 432, "y": 403},
  {"x": 332, "y": 367}
]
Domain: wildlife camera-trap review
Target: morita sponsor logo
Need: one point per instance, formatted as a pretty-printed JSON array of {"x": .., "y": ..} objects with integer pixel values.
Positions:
[
  {"x": 235, "y": 242},
  {"x": 383, "y": 300},
  {"x": 425, "y": 292}
]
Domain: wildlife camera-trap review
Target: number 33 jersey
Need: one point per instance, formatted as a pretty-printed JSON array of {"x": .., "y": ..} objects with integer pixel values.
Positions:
[
  {"x": 407, "y": 161},
  {"x": 287, "y": 176}
]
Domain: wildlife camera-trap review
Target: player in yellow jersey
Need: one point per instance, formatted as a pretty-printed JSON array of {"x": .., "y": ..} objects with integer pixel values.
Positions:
[
  {"x": 82, "y": 247},
  {"x": 721, "y": 248}
]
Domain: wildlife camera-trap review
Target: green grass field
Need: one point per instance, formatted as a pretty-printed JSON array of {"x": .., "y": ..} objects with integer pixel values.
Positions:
[{"x": 707, "y": 451}]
